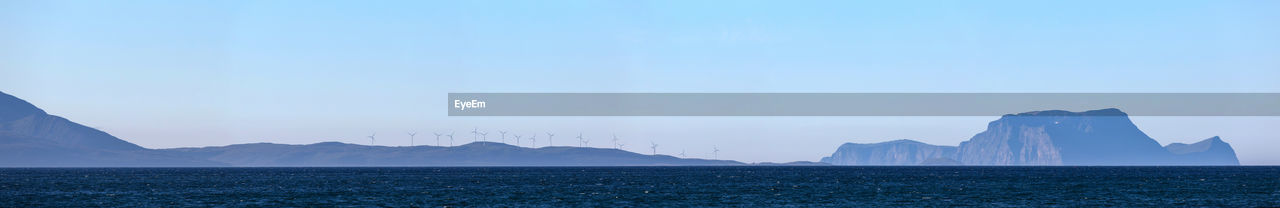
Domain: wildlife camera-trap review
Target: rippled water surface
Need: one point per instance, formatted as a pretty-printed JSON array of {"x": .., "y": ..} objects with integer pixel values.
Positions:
[{"x": 643, "y": 186}]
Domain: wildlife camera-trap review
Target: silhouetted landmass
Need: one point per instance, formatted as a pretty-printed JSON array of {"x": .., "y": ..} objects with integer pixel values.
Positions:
[
  {"x": 29, "y": 137},
  {"x": 796, "y": 163},
  {"x": 472, "y": 154},
  {"x": 1211, "y": 151},
  {"x": 1055, "y": 137},
  {"x": 898, "y": 152}
]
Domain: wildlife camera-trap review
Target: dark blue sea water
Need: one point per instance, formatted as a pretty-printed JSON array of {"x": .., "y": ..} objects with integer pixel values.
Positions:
[{"x": 643, "y": 186}]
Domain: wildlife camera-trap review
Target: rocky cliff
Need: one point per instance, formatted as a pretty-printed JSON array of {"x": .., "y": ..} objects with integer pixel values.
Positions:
[
  {"x": 899, "y": 152},
  {"x": 1054, "y": 137},
  {"x": 1211, "y": 151}
]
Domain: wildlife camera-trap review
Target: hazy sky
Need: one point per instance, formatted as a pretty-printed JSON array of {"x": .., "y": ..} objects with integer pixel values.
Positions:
[{"x": 197, "y": 73}]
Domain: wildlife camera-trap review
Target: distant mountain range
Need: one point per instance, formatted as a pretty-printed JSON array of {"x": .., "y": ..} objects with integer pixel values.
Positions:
[
  {"x": 1097, "y": 137},
  {"x": 30, "y": 137},
  {"x": 472, "y": 154}
]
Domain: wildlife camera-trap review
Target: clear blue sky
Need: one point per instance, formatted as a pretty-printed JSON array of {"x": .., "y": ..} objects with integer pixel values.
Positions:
[{"x": 197, "y": 73}]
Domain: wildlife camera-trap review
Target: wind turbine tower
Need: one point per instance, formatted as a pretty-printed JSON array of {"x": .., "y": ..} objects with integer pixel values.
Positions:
[
  {"x": 475, "y": 134},
  {"x": 437, "y": 138},
  {"x": 654, "y": 146},
  {"x": 533, "y": 141},
  {"x": 581, "y": 142},
  {"x": 549, "y": 141},
  {"x": 371, "y": 138},
  {"x": 615, "y": 142},
  {"x": 450, "y": 138},
  {"x": 411, "y": 134},
  {"x": 504, "y": 135},
  {"x": 517, "y": 139}
]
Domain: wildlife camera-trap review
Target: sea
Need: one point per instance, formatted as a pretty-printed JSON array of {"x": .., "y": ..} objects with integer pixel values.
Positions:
[{"x": 724, "y": 186}]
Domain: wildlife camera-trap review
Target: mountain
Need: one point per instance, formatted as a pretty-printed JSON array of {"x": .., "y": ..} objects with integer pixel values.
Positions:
[
  {"x": 1097, "y": 137},
  {"x": 1054, "y": 137},
  {"x": 473, "y": 154},
  {"x": 795, "y": 163},
  {"x": 1211, "y": 151},
  {"x": 29, "y": 137},
  {"x": 898, "y": 152}
]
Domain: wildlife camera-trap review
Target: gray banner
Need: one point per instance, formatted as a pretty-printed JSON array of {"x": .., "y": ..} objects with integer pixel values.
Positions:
[{"x": 856, "y": 104}]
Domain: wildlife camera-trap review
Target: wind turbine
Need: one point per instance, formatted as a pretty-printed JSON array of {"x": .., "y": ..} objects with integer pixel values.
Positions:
[
  {"x": 504, "y": 135},
  {"x": 549, "y": 141},
  {"x": 581, "y": 141},
  {"x": 450, "y": 138},
  {"x": 517, "y": 139},
  {"x": 371, "y": 138},
  {"x": 682, "y": 153},
  {"x": 411, "y": 134},
  {"x": 437, "y": 138},
  {"x": 484, "y": 136},
  {"x": 533, "y": 141},
  {"x": 654, "y": 147},
  {"x": 475, "y": 134},
  {"x": 615, "y": 142},
  {"x": 715, "y": 154}
]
